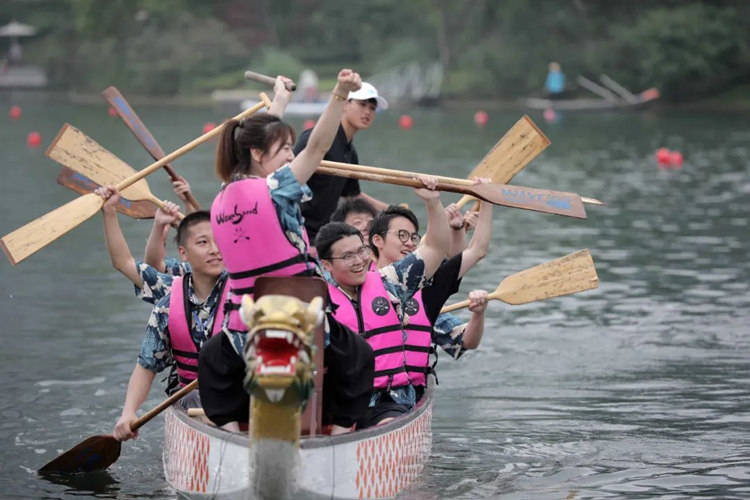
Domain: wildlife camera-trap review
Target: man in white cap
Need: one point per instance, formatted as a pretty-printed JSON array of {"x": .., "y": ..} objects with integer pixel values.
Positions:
[{"x": 359, "y": 113}]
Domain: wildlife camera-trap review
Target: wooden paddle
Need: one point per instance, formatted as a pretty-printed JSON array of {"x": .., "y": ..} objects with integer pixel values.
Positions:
[
  {"x": 99, "y": 452},
  {"x": 138, "y": 209},
  {"x": 570, "y": 274},
  {"x": 523, "y": 142},
  {"x": 134, "y": 123},
  {"x": 83, "y": 155},
  {"x": 37, "y": 234},
  {"x": 268, "y": 80},
  {"x": 407, "y": 174},
  {"x": 540, "y": 200}
]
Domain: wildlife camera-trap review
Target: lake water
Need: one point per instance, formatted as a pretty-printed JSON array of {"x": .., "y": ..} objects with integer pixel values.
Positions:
[{"x": 639, "y": 389}]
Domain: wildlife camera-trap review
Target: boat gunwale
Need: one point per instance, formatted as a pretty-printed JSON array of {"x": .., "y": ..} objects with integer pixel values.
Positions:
[{"x": 318, "y": 440}]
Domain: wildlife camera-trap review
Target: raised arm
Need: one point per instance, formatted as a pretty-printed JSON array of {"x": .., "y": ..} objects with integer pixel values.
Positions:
[
  {"x": 475, "y": 327},
  {"x": 436, "y": 240},
  {"x": 119, "y": 252},
  {"x": 156, "y": 244},
  {"x": 480, "y": 241},
  {"x": 322, "y": 135},
  {"x": 281, "y": 96},
  {"x": 458, "y": 235},
  {"x": 181, "y": 188}
]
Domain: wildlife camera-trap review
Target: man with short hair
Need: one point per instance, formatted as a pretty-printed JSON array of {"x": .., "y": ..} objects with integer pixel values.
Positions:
[
  {"x": 394, "y": 233},
  {"x": 378, "y": 305},
  {"x": 182, "y": 319},
  {"x": 359, "y": 113},
  {"x": 358, "y": 213}
]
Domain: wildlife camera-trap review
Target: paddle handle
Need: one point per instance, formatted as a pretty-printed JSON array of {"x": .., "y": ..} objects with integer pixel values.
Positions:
[
  {"x": 258, "y": 77},
  {"x": 393, "y": 173},
  {"x": 139, "y": 130},
  {"x": 184, "y": 149},
  {"x": 390, "y": 179},
  {"x": 137, "y": 423},
  {"x": 465, "y": 303}
]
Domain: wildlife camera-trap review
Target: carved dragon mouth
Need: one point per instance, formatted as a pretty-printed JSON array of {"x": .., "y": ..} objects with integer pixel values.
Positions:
[{"x": 276, "y": 361}]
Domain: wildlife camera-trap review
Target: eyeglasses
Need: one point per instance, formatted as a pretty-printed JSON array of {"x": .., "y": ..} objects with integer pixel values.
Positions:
[
  {"x": 349, "y": 258},
  {"x": 405, "y": 236}
]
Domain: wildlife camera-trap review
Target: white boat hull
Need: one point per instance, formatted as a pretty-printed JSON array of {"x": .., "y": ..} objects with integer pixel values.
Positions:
[{"x": 201, "y": 461}]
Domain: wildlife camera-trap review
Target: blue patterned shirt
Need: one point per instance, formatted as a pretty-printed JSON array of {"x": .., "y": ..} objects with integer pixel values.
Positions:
[{"x": 156, "y": 351}]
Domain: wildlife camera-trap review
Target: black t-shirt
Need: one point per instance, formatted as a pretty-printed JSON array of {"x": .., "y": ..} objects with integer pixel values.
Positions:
[
  {"x": 444, "y": 283},
  {"x": 327, "y": 189},
  {"x": 347, "y": 383}
]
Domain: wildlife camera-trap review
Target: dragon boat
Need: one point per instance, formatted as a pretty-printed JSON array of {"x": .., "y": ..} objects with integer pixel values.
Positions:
[{"x": 286, "y": 454}]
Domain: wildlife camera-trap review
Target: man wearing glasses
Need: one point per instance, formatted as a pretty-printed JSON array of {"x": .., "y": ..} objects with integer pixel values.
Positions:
[{"x": 379, "y": 304}]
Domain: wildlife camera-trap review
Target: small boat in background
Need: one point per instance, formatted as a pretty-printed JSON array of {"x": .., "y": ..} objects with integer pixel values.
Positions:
[{"x": 613, "y": 96}]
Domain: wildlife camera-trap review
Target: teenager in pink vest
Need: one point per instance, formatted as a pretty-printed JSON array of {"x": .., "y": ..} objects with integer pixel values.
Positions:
[
  {"x": 191, "y": 316},
  {"x": 380, "y": 305},
  {"x": 259, "y": 228}
]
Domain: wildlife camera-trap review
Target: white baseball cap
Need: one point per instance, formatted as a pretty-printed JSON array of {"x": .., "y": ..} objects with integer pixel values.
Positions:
[{"x": 367, "y": 91}]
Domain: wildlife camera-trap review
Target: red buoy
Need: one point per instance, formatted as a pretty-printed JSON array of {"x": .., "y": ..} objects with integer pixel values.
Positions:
[
  {"x": 309, "y": 123},
  {"x": 480, "y": 118},
  {"x": 676, "y": 159},
  {"x": 662, "y": 156},
  {"x": 208, "y": 127},
  {"x": 549, "y": 115},
  {"x": 33, "y": 140},
  {"x": 405, "y": 122},
  {"x": 112, "y": 111},
  {"x": 14, "y": 112}
]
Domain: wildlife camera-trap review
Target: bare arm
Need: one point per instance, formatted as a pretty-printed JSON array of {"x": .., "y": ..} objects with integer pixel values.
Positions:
[
  {"x": 475, "y": 327},
  {"x": 322, "y": 135},
  {"x": 480, "y": 241},
  {"x": 436, "y": 239},
  {"x": 156, "y": 244},
  {"x": 181, "y": 188},
  {"x": 281, "y": 96},
  {"x": 458, "y": 235},
  {"x": 119, "y": 252},
  {"x": 138, "y": 389}
]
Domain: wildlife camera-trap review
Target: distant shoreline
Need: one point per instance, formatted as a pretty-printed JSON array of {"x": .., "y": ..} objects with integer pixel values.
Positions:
[{"x": 729, "y": 103}]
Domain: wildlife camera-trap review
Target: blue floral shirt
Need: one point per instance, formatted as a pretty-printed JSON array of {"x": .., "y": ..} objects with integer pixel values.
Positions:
[
  {"x": 155, "y": 283},
  {"x": 156, "y": 351}
]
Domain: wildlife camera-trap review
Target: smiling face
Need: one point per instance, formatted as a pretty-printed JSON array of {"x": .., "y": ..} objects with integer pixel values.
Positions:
[
  {"x": 349, "y": 273},
  {"x": 359, "y": 114},
  {"x": 200, "y": 250},
  {"x": 360, "y": 220},
  {"x": 390, "y": 248},
  {"x": 279, "y": 154}
]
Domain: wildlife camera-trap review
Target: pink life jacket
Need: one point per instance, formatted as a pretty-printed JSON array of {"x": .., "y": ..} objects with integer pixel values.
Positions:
[
  {"x": 398, "y": 362},
  {"x": 248, "y": 233},
  {"x": 184, "y": 349}
]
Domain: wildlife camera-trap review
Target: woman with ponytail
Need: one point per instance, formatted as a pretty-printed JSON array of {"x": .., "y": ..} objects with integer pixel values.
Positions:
[{"x": 259, "y": 230}]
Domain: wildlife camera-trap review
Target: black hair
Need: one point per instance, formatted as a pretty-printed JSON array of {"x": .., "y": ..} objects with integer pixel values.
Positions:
[
  {"x": 261, "y": 131},
  {"x": 381, "y": 222},
  {"x": 189, "y": 221},
  {"x": 330, "y": 234},
  {"x": 353, "y": 205}
]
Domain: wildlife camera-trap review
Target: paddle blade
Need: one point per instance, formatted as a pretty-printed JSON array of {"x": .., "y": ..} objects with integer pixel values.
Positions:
[
  {"x": 77, "y": 151},
  {"x": 42, "y": 231},
  {"x": 93, "y": 454},
  {"x": 82, "y": 185},
  {"x": 539, "y": 200},
  {"x": 521, "y": 143},
  {"x": 570, "y": 274}
]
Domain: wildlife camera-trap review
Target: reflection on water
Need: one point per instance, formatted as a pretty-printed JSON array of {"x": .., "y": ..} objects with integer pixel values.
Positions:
[{"x": 638, "y": 389}]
